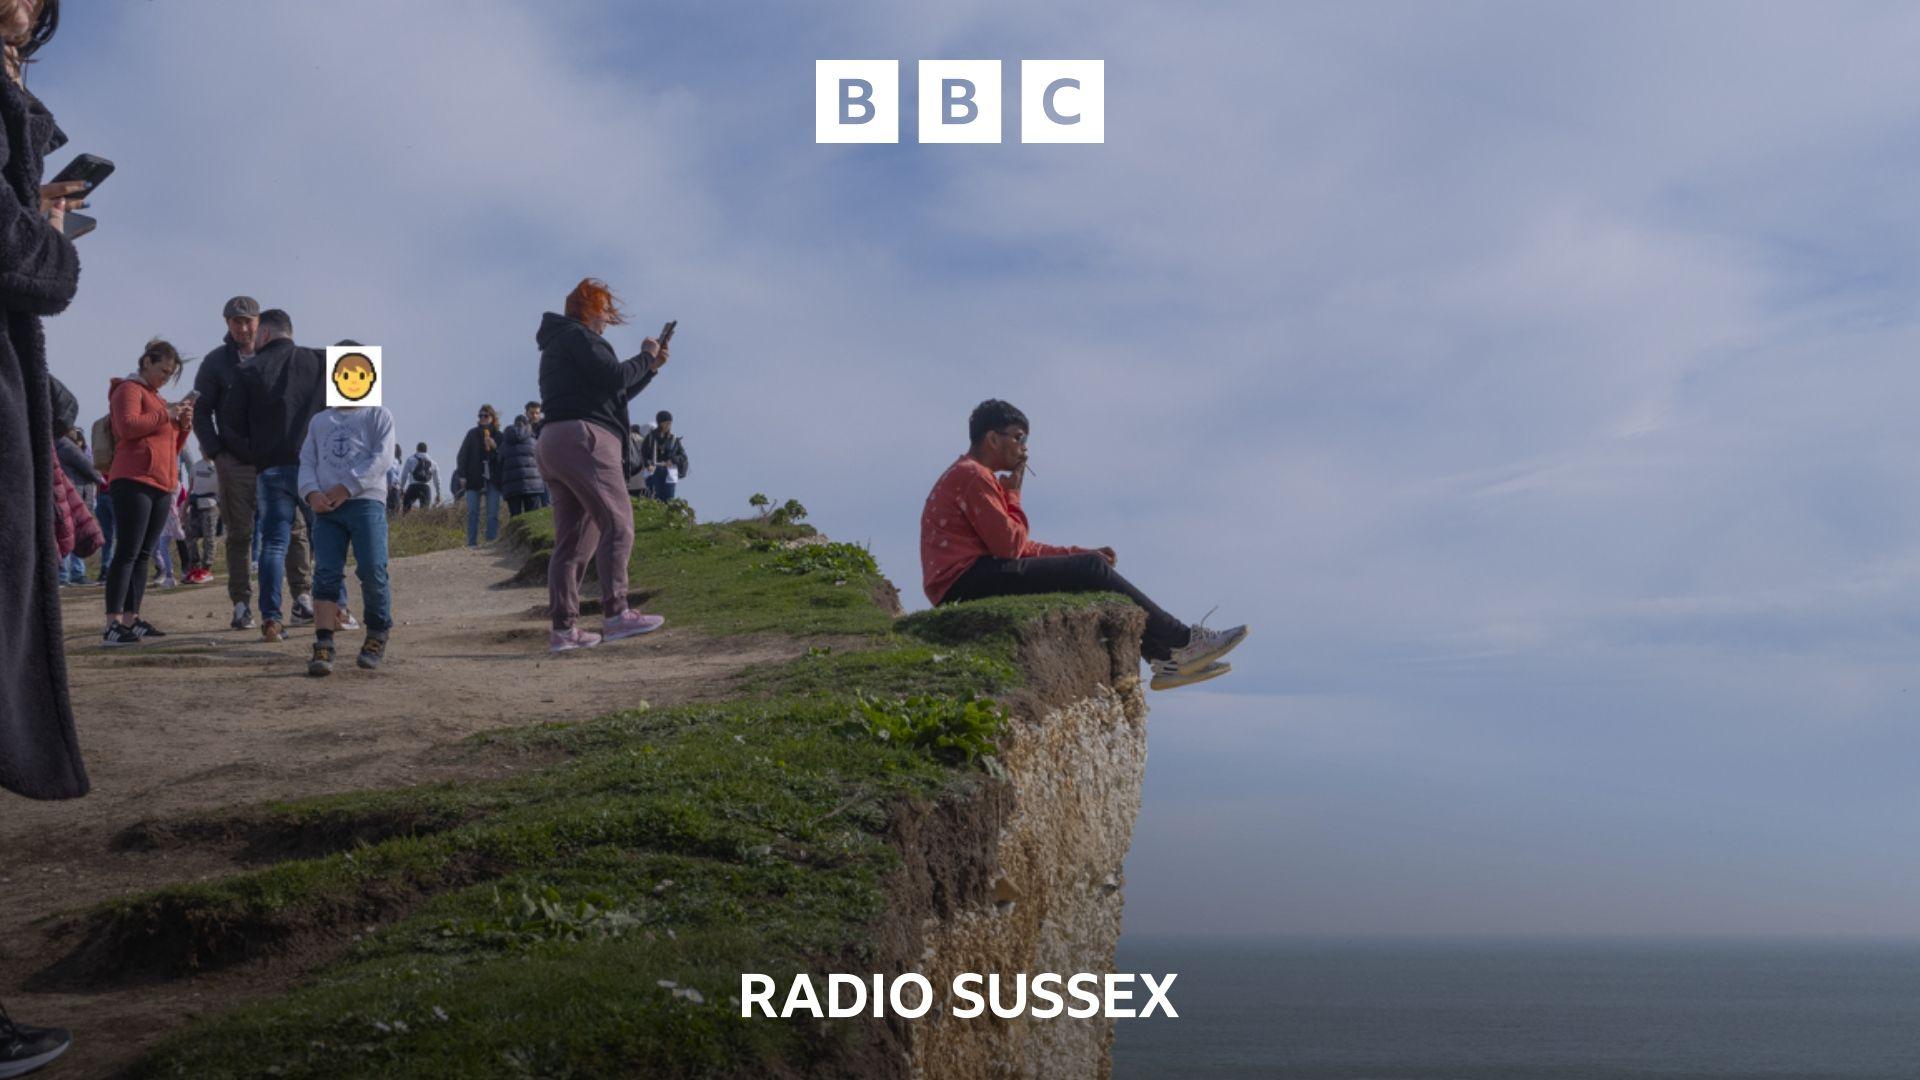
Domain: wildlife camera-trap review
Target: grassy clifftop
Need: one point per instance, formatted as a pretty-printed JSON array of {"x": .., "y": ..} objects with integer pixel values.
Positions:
[{"x": 591, "y": 915}]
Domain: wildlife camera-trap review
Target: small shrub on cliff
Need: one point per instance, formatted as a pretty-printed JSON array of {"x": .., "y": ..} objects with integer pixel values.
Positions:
[
  {"x": 654, "y": 514},
  {"x": 842, "y": 562},
  {"x": 956, "y": 731}
]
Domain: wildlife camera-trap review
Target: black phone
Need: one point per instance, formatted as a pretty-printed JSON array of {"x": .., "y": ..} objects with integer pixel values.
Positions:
[
  {"x": 666, "y": 332},
  {"x": 75, "y": 225},
  {"x": 88, "y": 167}
]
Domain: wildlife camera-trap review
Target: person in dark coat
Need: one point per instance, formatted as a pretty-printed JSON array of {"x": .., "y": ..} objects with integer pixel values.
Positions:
[
  {"x": 520, "y": 475},
  {"x": 39, "y": 273},
  {"x": 478, "y": 471},
  {"x": 584, "y": 451}
]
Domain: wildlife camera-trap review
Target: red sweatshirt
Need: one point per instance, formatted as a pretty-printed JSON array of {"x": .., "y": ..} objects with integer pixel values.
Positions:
[
  {"x": 971, "y": 514},
  {"x": 146, "y": 441}
]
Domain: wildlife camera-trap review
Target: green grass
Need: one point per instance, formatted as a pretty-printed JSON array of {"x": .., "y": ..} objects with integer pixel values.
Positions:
[
  {"x": 689, "y": 844},
  {"x": 591, "y": 915},
  {"x": 728, "y": 578}
]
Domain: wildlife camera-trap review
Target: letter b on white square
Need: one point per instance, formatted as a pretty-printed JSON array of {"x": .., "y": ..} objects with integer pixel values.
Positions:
[
  {"x": 856, "y": 101},
  {"x": 1063, "y": 101},
  {"x": 960, "y": 101}
]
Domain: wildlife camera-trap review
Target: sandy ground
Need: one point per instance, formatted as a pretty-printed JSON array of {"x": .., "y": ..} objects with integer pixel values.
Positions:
[{"x": 214, "y": 717}]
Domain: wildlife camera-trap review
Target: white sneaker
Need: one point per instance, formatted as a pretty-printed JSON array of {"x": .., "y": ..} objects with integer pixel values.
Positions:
[
  {"x": 1166, "y": 676},
  {"x": 347, "y": 621},
  {"x": 1206, "y": 646}
]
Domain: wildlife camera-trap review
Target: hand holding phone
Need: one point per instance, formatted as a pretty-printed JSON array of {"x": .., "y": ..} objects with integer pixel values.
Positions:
[{"x": 88, "y": 169}]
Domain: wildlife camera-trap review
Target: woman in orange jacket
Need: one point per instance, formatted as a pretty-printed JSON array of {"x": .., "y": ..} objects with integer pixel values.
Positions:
[{"x": 147, "y": 436}]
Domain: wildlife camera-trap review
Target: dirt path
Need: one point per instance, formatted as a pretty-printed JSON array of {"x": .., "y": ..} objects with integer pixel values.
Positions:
[{"x": 215, "y": 717}]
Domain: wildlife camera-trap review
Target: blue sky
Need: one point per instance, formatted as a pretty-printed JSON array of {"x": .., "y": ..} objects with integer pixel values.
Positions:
[{"x": 1536, "y": 380}]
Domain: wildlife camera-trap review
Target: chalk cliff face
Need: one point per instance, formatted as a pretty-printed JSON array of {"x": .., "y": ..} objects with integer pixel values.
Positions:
[{"x": 1024, "y": 873}]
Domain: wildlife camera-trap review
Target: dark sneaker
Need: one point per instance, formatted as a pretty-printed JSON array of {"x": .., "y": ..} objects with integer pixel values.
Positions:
[
  {"x": 118, "y": 634},
  {"x": 24, "y": 1049},
  {"x": 302, "y": 612},
  {"x": 271, "y": 630},
  {"x": 146, "y": 629},
  {"x": 242, "y": 616},
  {"x": 322, "y": 662},
  {"x": 372, "y": 651}
]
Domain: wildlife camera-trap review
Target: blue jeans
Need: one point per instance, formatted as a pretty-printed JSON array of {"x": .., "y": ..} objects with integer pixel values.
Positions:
[
  {"x": 73, "y": 571},
  {"x": 363, "y": 524},
  {"x": 277, "y": 499},
  {"x": 473, "y": 514},
  {"x": 657, "y": 485},
  {"x": 103, "y": 513}
]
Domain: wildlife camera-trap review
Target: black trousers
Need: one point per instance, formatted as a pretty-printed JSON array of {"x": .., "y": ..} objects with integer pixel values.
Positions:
[
  {"x": 989, "y": 576},
  {"x": 520, "y": 504},
  {"x": 417, "y": 495},
  {"x": 139, "y": 516}
]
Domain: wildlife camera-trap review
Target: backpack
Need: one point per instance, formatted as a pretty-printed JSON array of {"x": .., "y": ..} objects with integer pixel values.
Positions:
[
  {"x": 103, "y": 444},
  {"x": 422, "y": 471}
]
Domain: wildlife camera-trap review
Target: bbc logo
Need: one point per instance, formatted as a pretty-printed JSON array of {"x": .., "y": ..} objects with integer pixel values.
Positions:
[{"x": 858, "y": 101}]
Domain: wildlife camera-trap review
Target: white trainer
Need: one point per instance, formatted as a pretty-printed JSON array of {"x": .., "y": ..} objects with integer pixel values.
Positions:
[{"x": 1206, "y": 646}]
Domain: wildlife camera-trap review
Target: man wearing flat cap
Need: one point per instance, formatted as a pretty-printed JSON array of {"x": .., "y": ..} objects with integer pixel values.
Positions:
[{"x": 218, "y": 372}]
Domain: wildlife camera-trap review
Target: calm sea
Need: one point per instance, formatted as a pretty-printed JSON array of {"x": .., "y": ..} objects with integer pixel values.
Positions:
[{"x": 1526, "y": 1011}]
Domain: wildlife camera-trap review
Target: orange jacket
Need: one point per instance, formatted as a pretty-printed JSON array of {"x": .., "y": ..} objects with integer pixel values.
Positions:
[
  {"x": 146, "y": 441},
  {"x": 971, "y": 514}
]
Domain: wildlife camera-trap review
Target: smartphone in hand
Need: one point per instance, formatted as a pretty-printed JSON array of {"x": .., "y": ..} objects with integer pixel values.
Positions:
[
  {"x": 88, "y": 167},
  {"x": 75, "y": 225}
]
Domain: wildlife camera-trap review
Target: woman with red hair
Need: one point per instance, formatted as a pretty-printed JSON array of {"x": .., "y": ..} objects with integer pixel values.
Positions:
[{"x": 582, "y": 451}]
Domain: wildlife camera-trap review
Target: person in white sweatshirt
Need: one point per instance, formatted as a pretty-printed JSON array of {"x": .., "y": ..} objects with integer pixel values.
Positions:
[{"x": 343, "y": 477}]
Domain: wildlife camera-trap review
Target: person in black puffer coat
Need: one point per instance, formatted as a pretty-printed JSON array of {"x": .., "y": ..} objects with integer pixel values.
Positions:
[{"x": 520, "y": 475}]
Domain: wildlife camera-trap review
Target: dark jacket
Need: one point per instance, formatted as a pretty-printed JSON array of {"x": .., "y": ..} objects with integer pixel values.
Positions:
[
  {"x": 519, "y": 465},
  {"x": 39, "y": 272},
  {"x": 78, "y": 465},
  {"x": 66, "y": 411},
  {"x": 657, "y": 450},
  {"x": 272, "y": 402},
  {"x": 213, "y": 413},
  {"x": 581, "y": 378},
  {"x": 475, "y": 462}
]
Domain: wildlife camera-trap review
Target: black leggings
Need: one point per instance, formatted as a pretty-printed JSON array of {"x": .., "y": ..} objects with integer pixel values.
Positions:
[
  {"x": 989, "y": 576},
  {"x": 139, "y": 515}
]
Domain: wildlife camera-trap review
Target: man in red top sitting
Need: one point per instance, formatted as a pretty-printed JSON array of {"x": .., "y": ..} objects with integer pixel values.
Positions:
[{"x": 974, "y": 544}]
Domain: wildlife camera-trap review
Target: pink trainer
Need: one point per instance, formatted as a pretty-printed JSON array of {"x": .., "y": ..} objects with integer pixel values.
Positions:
[
  {"x": 631, "y": 623},
  {"x": 568, "y": 640}
]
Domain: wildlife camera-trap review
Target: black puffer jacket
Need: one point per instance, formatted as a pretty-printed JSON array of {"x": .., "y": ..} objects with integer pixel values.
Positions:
[
  {"x": 39, "y": 273},
  {"x": 519, "y": 466}
]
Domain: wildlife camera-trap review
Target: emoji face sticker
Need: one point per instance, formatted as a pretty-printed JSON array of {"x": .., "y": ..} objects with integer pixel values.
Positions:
[{"x": 353, "y": 375}]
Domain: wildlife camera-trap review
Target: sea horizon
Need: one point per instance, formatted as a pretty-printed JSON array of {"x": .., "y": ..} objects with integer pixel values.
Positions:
[{"x": 1587, "y": 1007}]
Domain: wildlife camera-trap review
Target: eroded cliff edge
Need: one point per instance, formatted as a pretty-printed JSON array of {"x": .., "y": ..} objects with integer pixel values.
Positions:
[{"x": 1024, "y": 872}]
